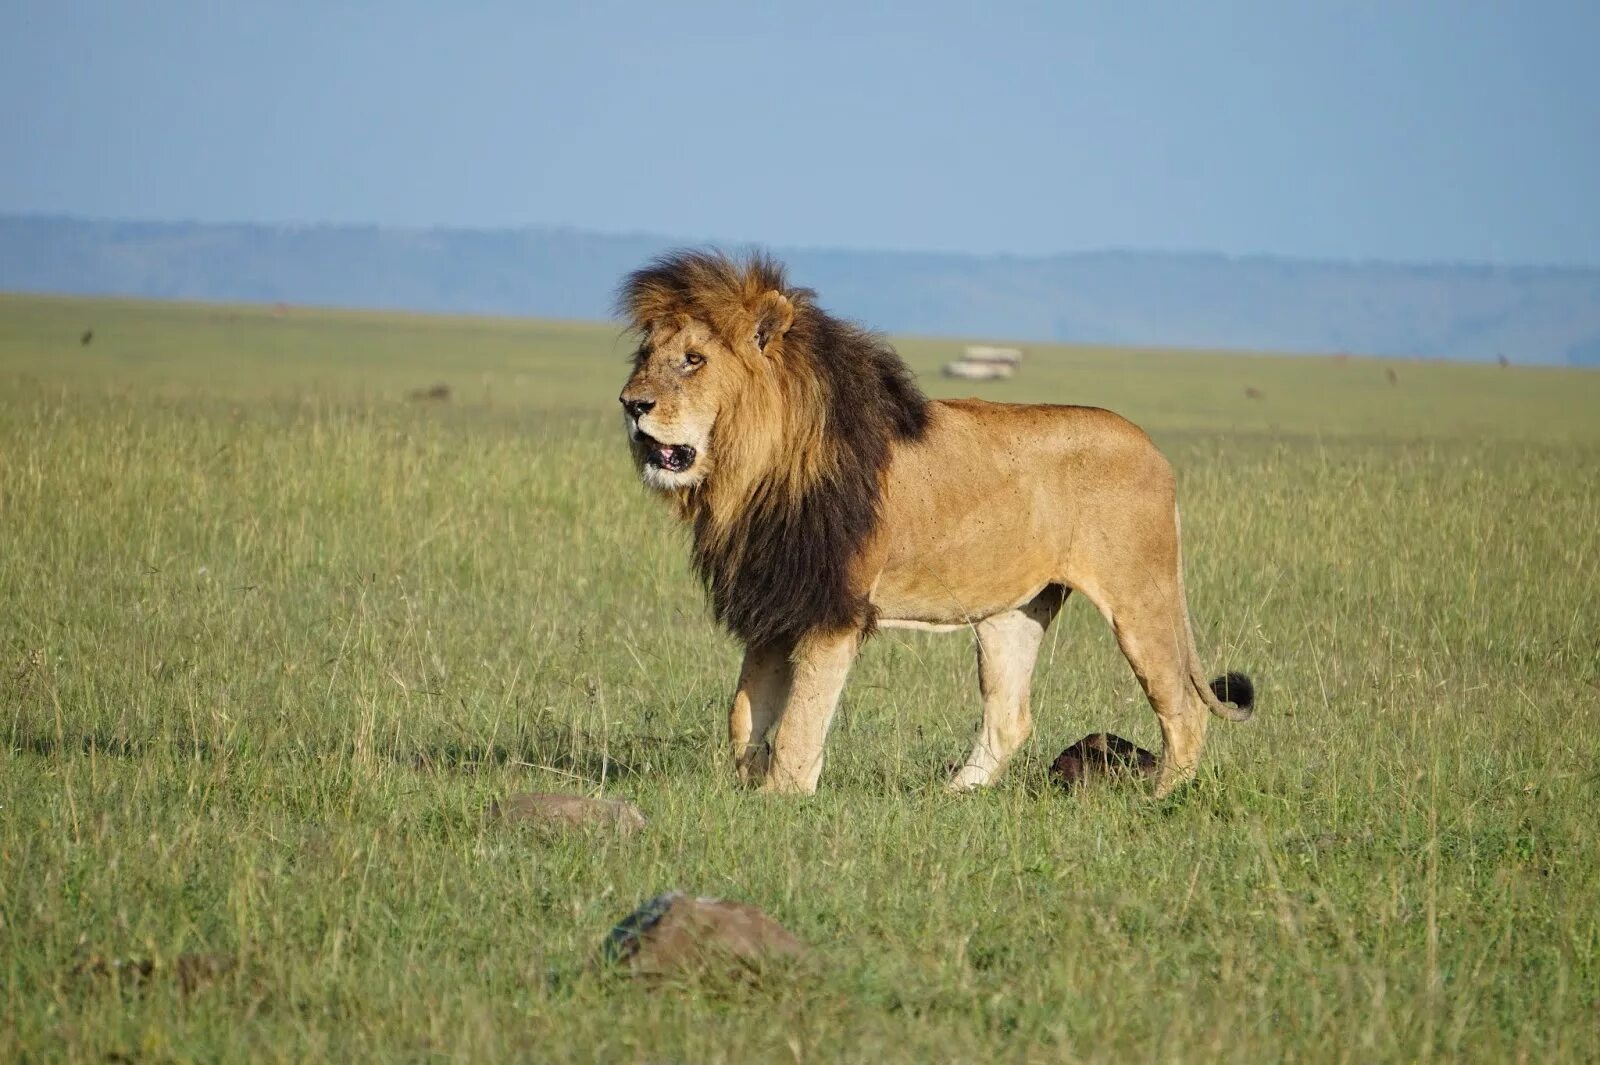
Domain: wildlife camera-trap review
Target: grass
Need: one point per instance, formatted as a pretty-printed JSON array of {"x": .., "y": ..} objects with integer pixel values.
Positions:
[{"x": 273, "y": 636}]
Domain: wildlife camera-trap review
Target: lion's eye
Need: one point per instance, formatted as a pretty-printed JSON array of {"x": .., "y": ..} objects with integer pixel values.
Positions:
[{"x": 691, "y": 359}]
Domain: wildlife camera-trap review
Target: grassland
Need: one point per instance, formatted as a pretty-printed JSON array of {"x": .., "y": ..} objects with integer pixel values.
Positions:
[{"x": 273, "y": 636}]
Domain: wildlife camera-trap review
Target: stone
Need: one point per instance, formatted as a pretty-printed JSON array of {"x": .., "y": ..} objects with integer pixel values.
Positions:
[
  {"x": 1101, "y": 756},
  {"x": 675, "y": 934},
  {"x": 568, "y": 812},
  {"x": 191, "y": 971}
]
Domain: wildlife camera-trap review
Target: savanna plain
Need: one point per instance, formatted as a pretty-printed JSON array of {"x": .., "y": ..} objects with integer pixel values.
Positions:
[{"x": 275, "y": 634}]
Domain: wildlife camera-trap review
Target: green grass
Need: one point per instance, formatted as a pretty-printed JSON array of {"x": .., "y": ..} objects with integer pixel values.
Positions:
[{"x": 272, "y": 637}]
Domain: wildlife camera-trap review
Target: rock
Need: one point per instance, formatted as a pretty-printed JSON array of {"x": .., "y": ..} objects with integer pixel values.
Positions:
[
  {"x": 568, "y": 812},
  {"x": 126, "y": 970},
  {"x": 679, "y": 935},
  {"x": 191, "y": 971},
  {"x": 437, "y": 393},
  {"x": 195, "y": 971},
  {"x": 1101, "y": 755}
]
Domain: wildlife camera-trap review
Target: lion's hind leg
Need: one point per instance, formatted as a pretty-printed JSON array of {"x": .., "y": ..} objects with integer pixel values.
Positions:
[
  {"x": 1154, "y": 637},
  {"x": 1008, "y": 646}
]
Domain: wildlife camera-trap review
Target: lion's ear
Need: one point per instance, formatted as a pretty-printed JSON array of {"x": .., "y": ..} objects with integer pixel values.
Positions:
[{"x": 774, "y": 316}]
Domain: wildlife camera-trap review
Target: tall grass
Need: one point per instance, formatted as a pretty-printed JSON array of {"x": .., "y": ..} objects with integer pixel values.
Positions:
[{"x": 273, "y": 636}]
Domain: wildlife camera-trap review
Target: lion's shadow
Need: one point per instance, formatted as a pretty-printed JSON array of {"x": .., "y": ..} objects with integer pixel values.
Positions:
[{"x": 563, "y": 751}]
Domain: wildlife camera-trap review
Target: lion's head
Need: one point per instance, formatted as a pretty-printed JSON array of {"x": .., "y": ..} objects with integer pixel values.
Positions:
[
  {"x": 769, "y": 422},
  {"x": 705, "y": 383}
]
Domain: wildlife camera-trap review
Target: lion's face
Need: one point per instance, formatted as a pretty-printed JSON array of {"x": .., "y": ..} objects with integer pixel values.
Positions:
[{"x": 683, "y": 375}]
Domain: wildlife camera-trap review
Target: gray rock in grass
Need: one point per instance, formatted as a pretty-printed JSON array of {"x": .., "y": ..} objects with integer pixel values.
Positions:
[{"x": 566, "y": 812}]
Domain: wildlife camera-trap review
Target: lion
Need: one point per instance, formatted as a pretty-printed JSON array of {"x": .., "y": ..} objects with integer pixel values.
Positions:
[{"x": 827, "y": 496}]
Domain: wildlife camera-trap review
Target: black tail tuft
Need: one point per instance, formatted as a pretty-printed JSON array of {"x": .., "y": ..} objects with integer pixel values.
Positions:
[{"x": 1235, "y": 688}]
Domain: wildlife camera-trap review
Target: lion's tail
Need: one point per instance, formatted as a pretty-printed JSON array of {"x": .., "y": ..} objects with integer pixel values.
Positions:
[{"x": 1231, "y": 695}]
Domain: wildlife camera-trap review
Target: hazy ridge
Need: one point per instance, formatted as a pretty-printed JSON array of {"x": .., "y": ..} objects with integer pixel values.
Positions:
[{"x": 1526, "y": 314}]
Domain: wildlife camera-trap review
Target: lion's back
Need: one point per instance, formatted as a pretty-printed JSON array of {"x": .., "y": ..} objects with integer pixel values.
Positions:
[{"x": 1030, "y": 433}]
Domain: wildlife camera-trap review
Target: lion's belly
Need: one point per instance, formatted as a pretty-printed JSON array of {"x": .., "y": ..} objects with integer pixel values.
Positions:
[
  {"x": 960, "y": 585},
  {"x": 981, "y": 545},
  {"x": 997, "y": 502}
]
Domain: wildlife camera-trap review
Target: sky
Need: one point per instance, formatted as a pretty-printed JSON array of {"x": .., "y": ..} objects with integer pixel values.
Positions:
[{"x": 1408, "y": 130}]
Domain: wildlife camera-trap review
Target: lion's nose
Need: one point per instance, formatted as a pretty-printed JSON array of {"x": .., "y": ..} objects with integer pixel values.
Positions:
[{"x": 637, "y": 408}]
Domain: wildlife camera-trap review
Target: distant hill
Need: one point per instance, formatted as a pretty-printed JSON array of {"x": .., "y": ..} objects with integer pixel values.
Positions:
[{"x": 1526, "y": 314}]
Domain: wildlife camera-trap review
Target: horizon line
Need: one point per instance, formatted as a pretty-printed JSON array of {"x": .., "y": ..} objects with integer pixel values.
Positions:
[{"x": 736, "y": 243}]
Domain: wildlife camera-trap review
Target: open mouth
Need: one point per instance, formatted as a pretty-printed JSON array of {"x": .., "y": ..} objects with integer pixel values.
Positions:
[{"x": 673, "y": 458}]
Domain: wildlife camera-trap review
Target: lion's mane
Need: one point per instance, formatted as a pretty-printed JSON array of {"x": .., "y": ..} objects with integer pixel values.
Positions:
[{"x": 799, "y": 456}]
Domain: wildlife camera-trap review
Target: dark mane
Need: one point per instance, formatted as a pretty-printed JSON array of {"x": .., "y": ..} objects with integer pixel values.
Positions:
[
  {"x": 787, "y": 570},
  {"x": 781, "y": 567}
]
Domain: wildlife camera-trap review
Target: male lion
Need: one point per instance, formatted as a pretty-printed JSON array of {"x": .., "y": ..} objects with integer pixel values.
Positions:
[{"x": 827, "y": 496}]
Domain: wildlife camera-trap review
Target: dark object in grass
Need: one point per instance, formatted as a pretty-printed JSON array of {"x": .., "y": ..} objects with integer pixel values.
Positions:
[
  {"x": 568, "y": 812},
  {"x": 87, "y": 338},
  {"x": 677, "y": 935},
  {"x": 437, "y": 393},
  {"x": 1235, "y": 688},
  {"x": 1101, "y": 756},
  {"x": 191, "y": 971}
]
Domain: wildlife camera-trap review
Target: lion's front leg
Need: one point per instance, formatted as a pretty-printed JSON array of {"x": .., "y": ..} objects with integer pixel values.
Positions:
[
  {"x": 764, "y": 681},
  {"x": 818, "y": 672}
]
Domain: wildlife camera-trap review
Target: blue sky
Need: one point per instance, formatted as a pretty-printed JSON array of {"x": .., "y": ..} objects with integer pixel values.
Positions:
[{"x": 1409, "y": 130}]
